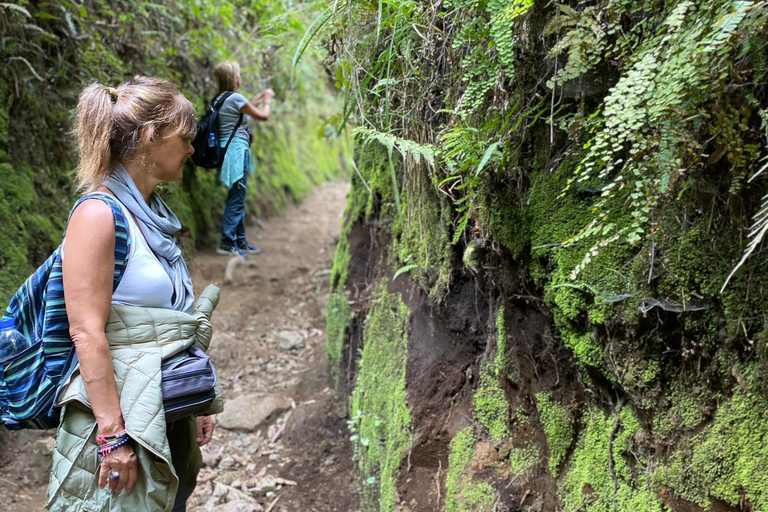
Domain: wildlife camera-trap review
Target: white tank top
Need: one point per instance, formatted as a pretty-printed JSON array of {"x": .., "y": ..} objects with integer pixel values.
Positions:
[{"x": 145, "y": 282}]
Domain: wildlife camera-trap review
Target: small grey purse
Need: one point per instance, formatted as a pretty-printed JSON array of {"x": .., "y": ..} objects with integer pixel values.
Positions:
[{"x": 188, "y": 381}]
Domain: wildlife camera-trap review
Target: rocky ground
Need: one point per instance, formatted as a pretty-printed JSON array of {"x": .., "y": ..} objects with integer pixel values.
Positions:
[{"x": 281, "y": 443}]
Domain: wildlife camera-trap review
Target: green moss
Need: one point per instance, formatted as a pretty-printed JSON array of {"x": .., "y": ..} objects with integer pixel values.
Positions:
[
  {"x": 509, "y": 224},
  {"x": 338, "y": 315},
  {"x": 419, "y": 222},
  {"x": 420, "y": 236},
  {"x": 337, "y": 320},
  {"x": 480, "y": 497},
  {"x": 521, "y": 415},
  {"x": 559, "y": 431},
  {"x": 382, "y": 420},
  {"x": 358, "y": 198},
  {"x": 577, "y": 299},
  {"x": 491, "y": 406},
  {"x": 651, "y": 372},
  {"x": 521, "y": 459},
  {"x": 462, "y": 450},
  {"x": 502, "y": 365},
  {"x": 727, "y": 460},
  {"x": 589, "y": 466},
  {"x": 462, "y": 494},
  {"x": 32, "y": 229},
  {"x": 686, "y": 407}
]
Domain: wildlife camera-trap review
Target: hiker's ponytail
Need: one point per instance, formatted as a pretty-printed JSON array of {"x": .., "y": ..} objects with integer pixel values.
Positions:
[
  {"x": 94, "y": 130},
  {"x": 112, "y": 124}
]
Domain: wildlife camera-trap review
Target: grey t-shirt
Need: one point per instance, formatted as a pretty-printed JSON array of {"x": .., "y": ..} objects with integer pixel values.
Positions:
[{"x": 229, "y": 113}]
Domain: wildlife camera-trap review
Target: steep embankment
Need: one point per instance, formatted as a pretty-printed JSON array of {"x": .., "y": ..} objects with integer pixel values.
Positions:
[
  {"x": 526, "y": 308},
  {"x": 52, "y": 50}
]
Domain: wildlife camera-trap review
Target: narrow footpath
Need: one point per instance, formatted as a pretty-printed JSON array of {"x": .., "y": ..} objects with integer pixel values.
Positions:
[{"x": 280, "y": 444}]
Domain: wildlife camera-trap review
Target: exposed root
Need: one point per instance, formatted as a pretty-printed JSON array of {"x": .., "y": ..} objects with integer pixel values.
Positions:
[{"x": 232, "y": 264}]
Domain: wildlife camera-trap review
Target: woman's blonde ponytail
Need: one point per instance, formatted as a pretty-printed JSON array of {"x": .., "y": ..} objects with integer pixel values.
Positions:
[
  {"x": 113, "y": 124},
  {"x": 94, "y": 132}
]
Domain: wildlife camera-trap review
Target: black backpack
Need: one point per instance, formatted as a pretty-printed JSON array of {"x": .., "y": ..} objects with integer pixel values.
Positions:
[{"x": 208, "y": 152}]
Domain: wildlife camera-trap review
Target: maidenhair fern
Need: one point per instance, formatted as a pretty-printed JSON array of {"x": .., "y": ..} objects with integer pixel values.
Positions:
[
  {"x": 637, "y": 148},
  {"x": 481, "y": 70}
]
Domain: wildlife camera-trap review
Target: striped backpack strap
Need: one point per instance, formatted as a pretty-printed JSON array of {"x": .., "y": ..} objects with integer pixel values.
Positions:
[{"x": 29, "y": 383}]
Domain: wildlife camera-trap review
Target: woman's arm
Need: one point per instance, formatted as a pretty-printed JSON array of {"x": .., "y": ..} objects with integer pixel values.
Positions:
[
  {"x": 88, "y": 267},
  {"x": 87, "y": 271},
  {"x": 261, "y": 114}
]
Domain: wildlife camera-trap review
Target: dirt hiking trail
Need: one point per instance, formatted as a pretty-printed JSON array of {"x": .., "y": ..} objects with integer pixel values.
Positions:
[{"x": 280, "y": 444}]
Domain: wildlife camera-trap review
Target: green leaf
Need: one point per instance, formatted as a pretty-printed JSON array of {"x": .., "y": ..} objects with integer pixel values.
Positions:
[
  {"x": 406, "y": 268},
  {"x": 17, "y": 8},
  {"x": 487, "y": 156}
]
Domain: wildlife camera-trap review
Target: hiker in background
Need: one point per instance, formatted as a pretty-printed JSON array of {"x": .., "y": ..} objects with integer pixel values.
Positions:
[
  {"x": 131, "y": 139},
  {"x": 238, "y": 161}
]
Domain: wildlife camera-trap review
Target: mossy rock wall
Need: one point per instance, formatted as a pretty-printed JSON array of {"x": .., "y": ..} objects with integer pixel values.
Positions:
[
  {"x": 53, "y": 50},
  {"x": 560, "y": 194}
]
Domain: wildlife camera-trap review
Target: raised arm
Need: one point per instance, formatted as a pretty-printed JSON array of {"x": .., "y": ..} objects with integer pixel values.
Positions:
[
  {"x": 259, "y": 113},
  {"x": 87, "y": 273}
]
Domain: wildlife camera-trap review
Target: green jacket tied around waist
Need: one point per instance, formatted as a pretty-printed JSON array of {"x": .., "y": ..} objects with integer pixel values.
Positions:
[{"x": 139, "y": 339}]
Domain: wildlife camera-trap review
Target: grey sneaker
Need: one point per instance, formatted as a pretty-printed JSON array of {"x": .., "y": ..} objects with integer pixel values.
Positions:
[
  {"x": 230, "y": 250},
  {"x": 248, "y": 248}
]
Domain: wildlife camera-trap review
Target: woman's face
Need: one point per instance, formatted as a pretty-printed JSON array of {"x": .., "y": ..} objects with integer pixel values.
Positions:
[
  {"x": 169, "y": 154},
  {"x": 238, "y": 81}
]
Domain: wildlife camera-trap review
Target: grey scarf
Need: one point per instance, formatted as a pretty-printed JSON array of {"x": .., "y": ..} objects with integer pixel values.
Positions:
[{"x": 159, "y": 226}]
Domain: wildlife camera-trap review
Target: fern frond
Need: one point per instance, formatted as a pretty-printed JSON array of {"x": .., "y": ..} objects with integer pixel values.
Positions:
[
  {"x": 404, "y": 269},
  {"x": 568, "y": 17},
  {"x": 29, "y": 65},
  {"x": 487, "y": 156},
  {"x": 17, "y": 8},
  {"x": 563, "y": 44},
  {"x": 405, "y": 147},
  {"x": 310, "y": 35},
  {"x": 761, "y": 170},
  {"x": 756, "y": 233},
  {"x": 40, "y": 30}
]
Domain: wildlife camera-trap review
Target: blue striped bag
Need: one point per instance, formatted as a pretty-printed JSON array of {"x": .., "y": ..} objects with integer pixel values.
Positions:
[{"x": 30, "y": 378}]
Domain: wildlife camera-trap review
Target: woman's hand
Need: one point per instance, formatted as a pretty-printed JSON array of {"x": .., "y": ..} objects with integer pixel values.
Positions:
[
  {"x": 205, "y": 426},
  {"x": 266, "y": 95},
  {"x": 123, "y": 462}
]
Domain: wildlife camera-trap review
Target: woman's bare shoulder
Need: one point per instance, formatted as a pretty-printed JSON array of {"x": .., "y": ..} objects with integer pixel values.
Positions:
[{"x": 92, "y": 217}]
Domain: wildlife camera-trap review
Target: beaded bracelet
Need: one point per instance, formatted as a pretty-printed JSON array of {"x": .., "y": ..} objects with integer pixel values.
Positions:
[
  {"x": 110, "y": 447},
  {"x": 102, "y": 440}
]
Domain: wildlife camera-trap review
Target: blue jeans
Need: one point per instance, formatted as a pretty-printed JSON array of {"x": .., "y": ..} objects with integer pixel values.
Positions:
[{"x": 233, "y": 222}]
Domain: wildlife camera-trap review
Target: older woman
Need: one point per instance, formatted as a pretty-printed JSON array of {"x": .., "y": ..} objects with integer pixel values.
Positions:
[
  {"x": 238, "y": 162},
  {"x": 131, "y": 139}
]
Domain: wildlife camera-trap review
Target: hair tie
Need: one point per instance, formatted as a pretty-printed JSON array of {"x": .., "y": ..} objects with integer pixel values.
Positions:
[{"x": 112, "y": 94}]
